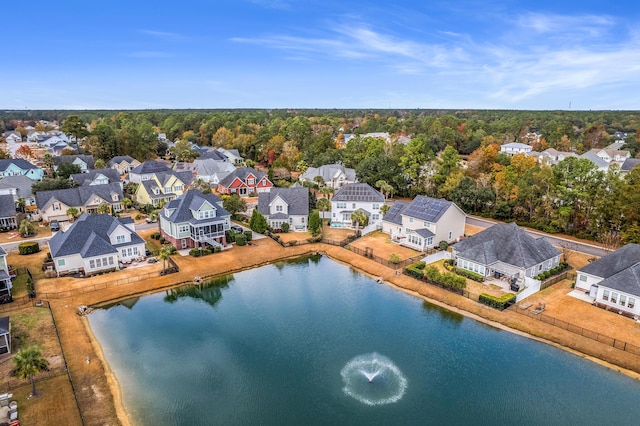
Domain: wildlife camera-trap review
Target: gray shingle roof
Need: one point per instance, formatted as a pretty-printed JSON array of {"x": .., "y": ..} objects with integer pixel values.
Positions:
[
  {"x": 615, "y": 262},
  {"x": 78, "y": 196},
  {"x": 296, "y": 198},
  {"x": 629, "y": 164},
  {"x": 191, "y": 200},
  {"x": 424, "y": 233},
  {"x": 599, "y": 162},
  {"x": 19, "y": 162},
  {"x": 86, "y": 178},
  {"x": 242, "y": 173},
  {"x": 88, "y": 159},
  {"x": 329, "y": 172},
  {"x": 506, "y": 243},
  {"x": 7, "y": 206},
  {"x": 119, "y": 159},
  {"x": 89, "y": 236},
  {"x": 358, "y": 192},
  {"x": 394, "y": 215},
  {"x": 627, "y": 280},
  {"x": 21, "y": 183}
]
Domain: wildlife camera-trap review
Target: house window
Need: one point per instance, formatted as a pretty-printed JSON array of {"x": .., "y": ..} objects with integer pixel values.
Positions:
[
  {"x": 124, "y": 252},
  {"x": 334, "y": 215},
  {"x": 632, "y": 303},
  {"x": 375, "y": 217},
  {"x": 583, "y": 278},
  {"x": 450, "y": 235},
  {"x": 184, "y": 243},
  {"x": 92, "y": 264},
  {"x": 278, "y": 208},
  {"x": 623, "y": 300},
  {"x": 178, "y": 188},
  {"x": 60, "y": 262},
  {"x": 119, "y": 239},
  {"x": 341, "y": 205},
  {"x": 605, "y": 295},
  {"x": 430, "y": 241},
  {"x": 540, "y": 267},
  {"x": 410, "y": 220},
  {"x": 302, "y": 220},
  {"x": 250, "y": 182},
  {"x": 167, "y": 189},
  {"x": 353, "y": 205},
  {"x": 56, "y": 206},
  {"x": 183, "y": 228},
  {"x": 111, "y": 261},
  {"x": 614, "y": 297},
  {"x": 426, "y": 224},
  {"x": 375, "y": 206}
]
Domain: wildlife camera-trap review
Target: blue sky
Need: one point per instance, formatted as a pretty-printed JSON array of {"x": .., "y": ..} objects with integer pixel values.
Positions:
[{"x": 321, "y": 54}]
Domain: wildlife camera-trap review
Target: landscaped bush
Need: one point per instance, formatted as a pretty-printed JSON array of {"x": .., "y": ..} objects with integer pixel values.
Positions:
[
  {"x": 29, "y": 247},
  {"x": 156, "y": 236},
  {"x": 551, "y": 272},
  {"x": 249, "y": 235},
  {"x": 432, "y": 274},
  {"x": 196, "y": 252},
  {"x": 241, "y": 240},
  {"x": 443, "y": 245},
  {"x": 284, "y": 227},
  {"x": 419, "y": 265},
  {"x": 162, "y": 240},
  {"x": 501, "y": 302},
  {"x": 217, "y": 249},
  {"x": 138, "y": 217},
  {"x": 231, "y": 236},
  {"x": 470, "y": 274}
]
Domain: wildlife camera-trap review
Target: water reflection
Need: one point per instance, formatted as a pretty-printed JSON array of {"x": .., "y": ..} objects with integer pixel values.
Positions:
[
  {"x": 209, "y": 291},
  {"x": 446, "y": 315}
]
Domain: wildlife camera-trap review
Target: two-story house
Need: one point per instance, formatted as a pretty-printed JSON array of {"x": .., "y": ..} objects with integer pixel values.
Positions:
[
  {"x": 20, "y": 167},
  {"x": 95, "y": 243},
  {"x": 5, "y": 277},
  {"x": 84, "y": 162},
  {"x": 613, "y": 281},
  {"x": 333, "y": 175},
  {"x": 209, "y": 170},
  {"x": 245, "y": 181},
  {"x": 424, "y": 222},
  {"x": 285, "y": 205},
  {"x": 54, "y": 204},
  {"x": 504, "y": 249},
  {"x": 146, "y": 170},
  {"x": 19, "y": 187},
  {"x": 515, "y": 148},
  {"x": 163, "y": 187},
  {"x": 8, "y": 214},
  {"x": 97, "y": 177},
  {"x": 194, "y": 220},
  {"x": 123, "y": 164},
  {"x": 352, "y": 197}
]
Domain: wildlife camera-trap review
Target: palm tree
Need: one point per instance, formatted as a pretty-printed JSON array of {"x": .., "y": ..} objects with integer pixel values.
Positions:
[
  {"x": 26, "y": 228},
  {"x": 323, "y": 205},
  {"x": 72, "y": 212},
  {"x": 164, "y": 254},
  {"x": 326, "y": 191},
  {"x": 104, "y": 208},
  {"x": 359, "y": 218},
  {"x": 126, "y": 202},
  {"x": 21, "y": 204},
  {"x": 385, "y": 188},
  {"x": 28, "y": 362}
]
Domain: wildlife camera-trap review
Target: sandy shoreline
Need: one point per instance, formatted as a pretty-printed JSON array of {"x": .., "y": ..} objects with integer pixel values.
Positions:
[{"x": 367, "y": 267}]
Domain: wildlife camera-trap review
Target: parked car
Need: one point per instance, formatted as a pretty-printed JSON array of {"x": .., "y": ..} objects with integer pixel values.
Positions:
[
  {"x": 54, "y": 225},
  {"x": 239, "y": 229}
]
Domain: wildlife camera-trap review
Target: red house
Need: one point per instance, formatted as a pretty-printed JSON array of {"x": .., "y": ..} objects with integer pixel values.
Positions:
[{"x": 245, "y": 181}]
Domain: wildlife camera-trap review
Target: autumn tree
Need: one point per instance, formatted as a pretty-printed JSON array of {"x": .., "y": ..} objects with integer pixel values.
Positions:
[{"x": 24, "y": 152}]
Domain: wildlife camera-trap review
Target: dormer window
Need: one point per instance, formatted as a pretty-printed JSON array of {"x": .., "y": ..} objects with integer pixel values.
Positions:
[
  {"x": 250, "y": 181},
  {"x": 278, "y": 208},
  {"x": 114, "y": 197}
]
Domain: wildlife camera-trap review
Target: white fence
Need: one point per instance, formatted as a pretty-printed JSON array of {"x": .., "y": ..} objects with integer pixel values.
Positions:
[
  {"x": 369, "y": 229},
  {"x": 432, "y": 258},
  {"x": 531, "y": 286}
]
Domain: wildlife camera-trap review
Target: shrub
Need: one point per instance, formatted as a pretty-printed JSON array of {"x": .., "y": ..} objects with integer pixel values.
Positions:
[
  {"x": 293, "y": 242},
  {"x": 419, "y": 265},
  {"x": 469, "y": 274},
  {"x": 248, "y": 235},
  {"x": 414, "y": 272},
  {"x": 241, "y": 239},
  {"x": 501, "y": 302},
  {"x": 284, "y": 227},
  {"x": 138, "y": 217},
  {"x": 231, "y": 236},
  {"x": 156, "y": 236},
  {"x": 194, "y": 252},
  {"x": 217, "y": 249},
  {"x": 443, "y": 245},
  {"x": 394, "y": 258},
  {"x": 162, "y": 240},
  {"x": 29, "y": 247}
]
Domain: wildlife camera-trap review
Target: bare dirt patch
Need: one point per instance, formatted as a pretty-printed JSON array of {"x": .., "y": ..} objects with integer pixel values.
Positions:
[{"x": 382, "y": 246}]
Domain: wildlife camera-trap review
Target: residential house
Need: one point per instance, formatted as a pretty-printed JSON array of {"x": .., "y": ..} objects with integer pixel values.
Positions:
[
  {"x": 504, "y": 249},
  {"x": 613, "y": 281},
  {"x": 515, "y": 148},
  {"x": 285, "y": 205},
  {"x": 629, "y": 164},
  {"x": 598, "y": 161},
  {"x": 163, "y": 187},
  {"x": 551, "y": 156},
  {"x": 5, "y": 335},
  {"x": 12, "y": 137},
  {"x": 84, "y": 162},
  {"x": 18, "y": 187},
  {"x": 54, "y": 204},
  {"x": 424, "y": 222},
  {"x": 194, "y": 220},
  {"x": 146, "y": 170},
  {"x": 616, "y": 156},
  {"x": 209, "y": 170},
  {"x": 245, "y": 181},
  {"x": 123, "y": 164},
  {"x": 97, "y": 177},
  {"x": 18, "y": 166},
  {"x": 333, "y": 175},
  {"x": 53, "y": 144},
  {"x": 352, "y": 197},
  {"x": 8, "y": 214},
  {"x": 5, "y": 276},
  {"x": 95, "y": 244}
]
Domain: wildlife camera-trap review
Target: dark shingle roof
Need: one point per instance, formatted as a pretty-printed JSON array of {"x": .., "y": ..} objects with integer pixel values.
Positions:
[
  {"x": 394, "y": 215},
  {"x": 119, "y": 159},
  {"x": 86, "y": 178},
  {"x": 358, "y": 192},
  {"x": 181, "y": 207},
  {"x": 296, "y": 198},
  {"x": 89, "y": 236},
  {"x": 507, "y": 243},
  {"x": 21, "y": 183},
  {"x": 627, "y": 280},
  {"x": 78, "y": 196},
  {"x": 629, "y": 164},
  {"x": 19, "y": 162},
  {"x": 7, "y": 206},
  {"x": 242, "y": 173},
  {"x": 615, "y": 262},
  {"x": 424, "y": 233},
  {"x": 150, "y": 167},
  {"x": 88, "y": 159}
]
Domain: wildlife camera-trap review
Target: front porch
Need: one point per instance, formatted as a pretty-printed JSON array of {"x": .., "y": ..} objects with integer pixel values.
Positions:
[{"x": 8, "y": 222}]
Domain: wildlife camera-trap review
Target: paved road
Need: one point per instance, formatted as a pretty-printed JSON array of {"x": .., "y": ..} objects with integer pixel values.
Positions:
[
  {"x": 13, "y": 245},
  {"x": 556, "y": 241}
]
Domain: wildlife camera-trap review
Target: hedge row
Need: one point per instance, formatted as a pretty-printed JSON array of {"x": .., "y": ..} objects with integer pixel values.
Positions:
[
  {"x": 469, "y": 274},
  {"x": 29, "y": 247},
  {"x": 196, "y": 252},
  {"x": 501, "y": 302},
  {"x": 553, "y": 271}
]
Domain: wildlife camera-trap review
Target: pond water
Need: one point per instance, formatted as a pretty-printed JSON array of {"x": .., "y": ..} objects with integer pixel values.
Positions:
[{"x": 312, "y": 341}]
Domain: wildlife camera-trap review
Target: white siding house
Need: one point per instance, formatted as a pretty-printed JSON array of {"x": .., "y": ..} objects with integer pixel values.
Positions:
[{"x": 353, "y": 197}]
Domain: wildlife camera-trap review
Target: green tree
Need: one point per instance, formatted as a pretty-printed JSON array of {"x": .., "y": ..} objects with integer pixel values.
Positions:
[
  {"x": 258, "y": 223},
  {"x": 384, "y": 209},
  {"x": 234, "y": 204},
  {"x": 48, "y": 184},
  {"x": 100, "y": 164},
  {"x": 324, "y": 205},
  {"x": 74, "y": 126},
  {"x": 72, "y": 212},
  {"x": 164, "y": 254},
  {"x": 384, "y": 188},
  {"x": 104, "y": 208},
  {"x": 28, "y": 363},
  {"x": 359, "y": 218},
  {"x": 126, "y": 202},
  {"x": 67, "y": 169},
  {"x": 26, "y": 228},
  {"x": 315, "y": 223},
  {"x": 21, "y": 204},
  {"x": 182, "y": 151}
]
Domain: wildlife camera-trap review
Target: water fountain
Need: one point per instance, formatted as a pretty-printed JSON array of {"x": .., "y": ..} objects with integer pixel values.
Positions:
[{"x": 373, "y": 379}]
